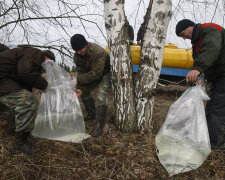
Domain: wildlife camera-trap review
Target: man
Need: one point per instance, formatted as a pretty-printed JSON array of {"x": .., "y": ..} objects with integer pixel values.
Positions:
[
  {"x": 93, "y": 67},
  {"x": 208, "y": 42},
  {"x": 11, "y": 118},
  {"x": 20, "y": 71}
]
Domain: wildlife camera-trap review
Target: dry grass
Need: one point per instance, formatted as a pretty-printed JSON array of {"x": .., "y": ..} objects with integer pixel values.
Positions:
[{"x": 115, "y": 155}]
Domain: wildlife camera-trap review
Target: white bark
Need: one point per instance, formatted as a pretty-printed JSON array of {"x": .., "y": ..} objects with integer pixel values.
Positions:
[
  {"x": 151, "y": 61},
  {"x": 121, "y": 67}
]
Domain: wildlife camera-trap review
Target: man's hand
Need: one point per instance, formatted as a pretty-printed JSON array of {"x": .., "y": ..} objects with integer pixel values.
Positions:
[
  {"x": 192, "y": 76},
  {"x": 78, "y": 92}
]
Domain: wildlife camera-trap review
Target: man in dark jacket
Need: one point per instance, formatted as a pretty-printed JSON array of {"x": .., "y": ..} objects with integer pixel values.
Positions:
[
  {"x": 20, "y": 71},
  {"x": 10, "y": 118},
  {"x": 208, "y": 45},
  {"x": 93, "y": 67}
]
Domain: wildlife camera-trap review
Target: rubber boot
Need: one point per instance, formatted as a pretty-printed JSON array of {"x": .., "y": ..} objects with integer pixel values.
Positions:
[
  {"x": 22, "y": 144},
  {"x": 90, "y": 108},
  {"x": 11, "y": 125},
  {"x": 100, "y": 120}
]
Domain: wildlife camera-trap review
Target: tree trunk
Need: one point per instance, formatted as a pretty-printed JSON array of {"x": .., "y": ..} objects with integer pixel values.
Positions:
[
  {"x": 121, "y": 66},
  {"x": 151, "y": 61}
]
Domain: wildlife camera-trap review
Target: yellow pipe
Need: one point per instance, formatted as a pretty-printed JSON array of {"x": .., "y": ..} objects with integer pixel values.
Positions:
[{"x": 173, "y": 56}]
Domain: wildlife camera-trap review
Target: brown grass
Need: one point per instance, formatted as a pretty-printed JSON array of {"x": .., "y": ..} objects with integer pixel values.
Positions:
[{"x": 114, "y": 155}]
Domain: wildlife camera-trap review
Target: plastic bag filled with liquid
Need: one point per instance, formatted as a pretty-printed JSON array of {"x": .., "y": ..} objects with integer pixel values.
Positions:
[
  {"x": 183, "y": 141},
  {"x": 59, "y": 115}
]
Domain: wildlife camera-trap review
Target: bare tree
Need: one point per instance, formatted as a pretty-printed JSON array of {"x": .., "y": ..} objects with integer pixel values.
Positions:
[
  {"x": 151, "y": 61},
  {"x": 47, "y": 24},
  {"x": 121, "y": 67},
  {"x": 154, "y": 31}
]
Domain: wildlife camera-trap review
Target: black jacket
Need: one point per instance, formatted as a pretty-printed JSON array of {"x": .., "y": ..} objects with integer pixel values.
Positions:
[{"x": 20, "y": 68}]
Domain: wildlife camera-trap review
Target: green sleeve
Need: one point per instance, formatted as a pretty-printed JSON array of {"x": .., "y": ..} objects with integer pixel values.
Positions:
[
  {"x": 79, "y": 68},
  {"x": 95, "y": 73}
]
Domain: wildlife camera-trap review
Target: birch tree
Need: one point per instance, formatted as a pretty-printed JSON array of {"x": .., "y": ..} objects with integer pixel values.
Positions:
[
  {"x": 151, "y": 62},
  {"x": 121, "y": 66}
]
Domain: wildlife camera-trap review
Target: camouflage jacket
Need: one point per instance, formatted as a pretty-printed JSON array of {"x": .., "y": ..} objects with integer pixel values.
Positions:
[
  {"x": 208, "y": 42},
  {"x": 92, "y": 66},
  {"x": 20, "y": 68}
]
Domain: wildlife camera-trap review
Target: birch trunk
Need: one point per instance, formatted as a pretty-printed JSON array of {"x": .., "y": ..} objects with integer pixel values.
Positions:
[
  {"x": 121, "y": 67},
  {"x": 151, "y": 61}
]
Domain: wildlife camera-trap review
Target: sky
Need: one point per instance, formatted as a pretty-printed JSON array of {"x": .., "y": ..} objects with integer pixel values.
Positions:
[{"x": 199, "y": 11}]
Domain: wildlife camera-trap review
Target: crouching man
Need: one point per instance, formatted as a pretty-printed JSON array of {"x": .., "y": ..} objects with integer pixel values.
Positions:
[
  {"x": 20, "y": 71},
  {"x": 93, "y": 67}
]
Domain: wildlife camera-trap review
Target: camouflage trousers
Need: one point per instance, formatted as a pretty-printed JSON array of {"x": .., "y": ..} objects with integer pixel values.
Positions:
[
  {"x": 24, "y": 105},
  {"x": 104, "y": 88}
]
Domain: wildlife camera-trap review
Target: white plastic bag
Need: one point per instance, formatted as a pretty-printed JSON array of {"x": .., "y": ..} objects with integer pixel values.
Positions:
[
  {"x": 183, "y": 140},
  {"x": 59, "y": 116}
]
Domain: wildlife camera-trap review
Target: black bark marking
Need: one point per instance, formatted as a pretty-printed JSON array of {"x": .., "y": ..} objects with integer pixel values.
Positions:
[
  {"x": 107, "y": 26},
  {"x": 160, "y": 2}
]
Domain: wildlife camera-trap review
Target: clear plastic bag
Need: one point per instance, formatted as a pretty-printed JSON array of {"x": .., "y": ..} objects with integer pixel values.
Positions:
[
  {"x": 59, "y": 115},
  {"x": 183, "y": 141}
]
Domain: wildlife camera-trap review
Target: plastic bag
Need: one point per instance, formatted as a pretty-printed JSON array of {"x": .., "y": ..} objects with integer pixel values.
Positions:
[
  {"x": 183, "y": 141},
  {"x": 59, "y": 115}
]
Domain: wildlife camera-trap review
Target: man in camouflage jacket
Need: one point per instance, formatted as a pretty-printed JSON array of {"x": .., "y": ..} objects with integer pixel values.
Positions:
[
  {"x": 20, "y": 71},
  {"x": 208, "y": 42},
  {"x": 93, "y": 67}
]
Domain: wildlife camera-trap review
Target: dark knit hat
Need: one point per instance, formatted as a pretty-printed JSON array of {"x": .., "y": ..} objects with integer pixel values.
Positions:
[
  {"x": 78, "y": 42},
  {"x": 49, "y": 54},
  {"x": 182, "y": 25}
]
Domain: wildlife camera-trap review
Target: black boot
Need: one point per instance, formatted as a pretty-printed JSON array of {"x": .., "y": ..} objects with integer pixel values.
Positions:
[
  {"x": 11, "y": 125},
  {"x": 100, "y": 120},
  {"x": 90, "y": 108},
  {"x": 22, "y": 144}
]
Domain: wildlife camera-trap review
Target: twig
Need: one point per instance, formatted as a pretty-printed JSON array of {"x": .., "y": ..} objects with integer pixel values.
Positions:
[
  {"x": 20, "y": 171},
  {"x": 112, "y": 170},
  {"x": 84, "y": 152},
  {"x": 2, "y": 150},
  {"x": 49, "y": 161}
]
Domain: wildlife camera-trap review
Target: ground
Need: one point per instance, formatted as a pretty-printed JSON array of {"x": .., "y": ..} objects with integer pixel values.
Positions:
[{"x": 114, "y": 155}]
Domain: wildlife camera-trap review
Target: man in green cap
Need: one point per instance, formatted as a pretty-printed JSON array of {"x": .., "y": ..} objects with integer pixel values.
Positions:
[{"x": 93, "y": 67}]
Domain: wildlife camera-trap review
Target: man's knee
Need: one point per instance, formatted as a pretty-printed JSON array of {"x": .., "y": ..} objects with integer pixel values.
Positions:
[
  {"x": 30, "y": 101},
  {"x": 102, "y": 98},
  {"x": 104, "y": 90},
  {"x": 102, "y": 102},
  {"x": 29, "y": 104}
]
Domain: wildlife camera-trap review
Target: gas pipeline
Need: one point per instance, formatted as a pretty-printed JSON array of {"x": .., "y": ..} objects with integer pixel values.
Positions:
[{"x": 176, "y": 61}]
